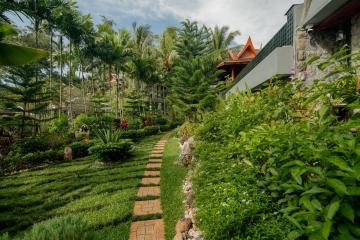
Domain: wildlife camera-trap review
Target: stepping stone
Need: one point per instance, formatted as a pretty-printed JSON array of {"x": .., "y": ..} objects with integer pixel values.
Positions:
[
  {"x": 152, "y": 173},
  {"x": 156, "y": 156},
  {"x": 155, "y": 160},
  {"x": 157, "y": 152},
  {"x": 147, "y": 230},
  {"x": 153, "y": 165},
  {"x": 149, "y": 191},
  {"x": 155, "y": 180},
  {"x": 147, "y": 207},
  {"x": 159, "y": 149}
]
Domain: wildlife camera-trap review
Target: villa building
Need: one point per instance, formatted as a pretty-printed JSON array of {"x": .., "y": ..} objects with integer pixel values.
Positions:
[
  {"x": 236, "y": 62},
  {"x": 316, "y": 27}
]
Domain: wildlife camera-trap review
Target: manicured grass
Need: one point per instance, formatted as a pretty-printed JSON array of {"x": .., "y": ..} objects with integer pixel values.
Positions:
[
  {"x": 102, "y": 195},
  {"x": 172, "y": 176}
]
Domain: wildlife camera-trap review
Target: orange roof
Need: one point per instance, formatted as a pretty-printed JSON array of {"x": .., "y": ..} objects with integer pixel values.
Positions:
[{"x": 244, "y": 56}]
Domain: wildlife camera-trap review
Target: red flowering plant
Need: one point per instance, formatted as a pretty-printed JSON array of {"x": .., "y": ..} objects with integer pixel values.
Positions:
[
  {"x": 147, "y": 121},
  {"x": 123, "y": 123}
]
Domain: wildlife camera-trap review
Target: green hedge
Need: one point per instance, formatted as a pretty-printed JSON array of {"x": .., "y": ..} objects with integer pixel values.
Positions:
[
  {"x": 112, "y": 152},
  {"x": 61, "y": 228},
  {"x": 17, "y": 161},
  {"x": 81, "y": 149}
]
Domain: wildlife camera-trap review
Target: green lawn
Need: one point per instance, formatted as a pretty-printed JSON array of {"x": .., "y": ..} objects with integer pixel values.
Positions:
[
  {"x": 172, "y": 176},
  {"x": 102, "y": 195}
]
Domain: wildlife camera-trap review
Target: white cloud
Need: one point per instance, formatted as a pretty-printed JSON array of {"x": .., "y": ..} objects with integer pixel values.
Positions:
[{"x": 260, "y": 19}]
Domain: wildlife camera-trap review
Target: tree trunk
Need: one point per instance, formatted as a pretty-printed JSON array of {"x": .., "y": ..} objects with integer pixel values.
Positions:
[
  {"x": 61, "y": 75},
  {"x": 51, "y": 58},
  {"x": 70, "y": 83},
  {"x": 83, "y": 87},
  {"x": 117, "y": 93}
]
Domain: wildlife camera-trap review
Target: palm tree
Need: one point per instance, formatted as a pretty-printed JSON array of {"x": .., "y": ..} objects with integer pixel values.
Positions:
[
  {"x": 123, "y": 52},
  {"x": 221, "y": 38}
]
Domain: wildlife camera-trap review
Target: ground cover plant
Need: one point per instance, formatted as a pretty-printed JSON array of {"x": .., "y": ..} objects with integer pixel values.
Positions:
[
  {"x": 102, "y": 196},
  {"x": 283, "y": 162},
  {"x": 172, "y": 176}
]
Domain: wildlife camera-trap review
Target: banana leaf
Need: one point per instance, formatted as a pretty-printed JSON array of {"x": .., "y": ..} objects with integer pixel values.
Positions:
[{"x": 12, "y": 55}]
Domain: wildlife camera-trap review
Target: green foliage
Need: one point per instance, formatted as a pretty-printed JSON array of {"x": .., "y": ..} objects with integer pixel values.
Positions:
[
  {"x": 59, "y": 125},
  {"x": 85, "y": 120},
  {"x": 80, "y": 149},
  {"x": 17, "y": 161},
  {"x": 151, "y": 130},
  {"x": 134, "y": 124},
  {"x": 133, "y": 134},
  {"x": 208, "y": 103},
  {"x": 61, "y": 228},
  {"x": 13, "y": 55},
  {"x": 108, "y": 136},
  {"x": 24, "y": 97},
  {"x": 281, "y": 162},
  {"x": 112, "y": 151},
  {"x": 193, "y": 72}
]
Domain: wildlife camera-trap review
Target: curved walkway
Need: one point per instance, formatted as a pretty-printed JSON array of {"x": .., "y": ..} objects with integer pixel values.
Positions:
[{"x": 148, "y": 205}]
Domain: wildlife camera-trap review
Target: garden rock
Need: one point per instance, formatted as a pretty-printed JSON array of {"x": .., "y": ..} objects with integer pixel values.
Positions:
[{"x": 68, "y": 153}]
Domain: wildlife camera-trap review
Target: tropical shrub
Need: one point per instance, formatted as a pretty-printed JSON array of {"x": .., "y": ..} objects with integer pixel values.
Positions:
[
  {"x": 112, "y": 151},
  {"x": 17, "y": 161},
  {"x": 151, "y": 130},
  {"x": 85, "y": 120},
  {"x": 288, "y": 148},
  {"x": 61, "y": 228},
  {"x": 59, "y": 125},
  {"x": 80, "y": 149},
  {"x": 133, "y": 134},
  {"x": 108, "y": 136},
  {"x": 134, "y": 124},
  {"x": 160, "y": 121},
  {"x": 31, "y": 144}
]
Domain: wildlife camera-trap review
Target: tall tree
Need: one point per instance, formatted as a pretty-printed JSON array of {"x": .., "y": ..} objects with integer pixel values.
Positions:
[
  {"x": 24, "y": 97},
  {"x": 193, "y": 72}
]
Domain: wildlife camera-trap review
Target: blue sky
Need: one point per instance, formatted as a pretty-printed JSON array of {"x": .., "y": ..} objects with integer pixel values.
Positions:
[{"x": 260, "y": 19}]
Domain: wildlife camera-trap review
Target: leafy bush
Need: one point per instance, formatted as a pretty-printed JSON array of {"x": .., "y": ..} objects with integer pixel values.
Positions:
[
  {"x": 165, "y": 128},
  {"x": 286, "y": 148},
  {"x": 85, "y": 120},
  {"x": 133, "y": 134},
  {"x": 134, "y": 124},
  {"x": 113, "y": 151},
  {"x": 187, "y": 129},
  {"x": 30, "y": 145},
  {"x": 80, "y": 149},
  {"x": 108, "y": 136},
  {"x": 151, "y": 130},
  {"x": 62, "y": 228},
  {"x": 59, "y": 125},
  {"x": 17, "y": 161},
  {"x": 160, "y": 121}
]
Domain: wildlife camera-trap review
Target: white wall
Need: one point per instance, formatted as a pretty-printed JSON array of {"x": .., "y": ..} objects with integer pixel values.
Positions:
[{"x": 279, "y": 62}]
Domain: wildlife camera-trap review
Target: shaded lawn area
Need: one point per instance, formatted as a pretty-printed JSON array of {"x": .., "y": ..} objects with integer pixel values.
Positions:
[
  {"x": 102, "y": 195},
  {"x": 172, "y": 176}
]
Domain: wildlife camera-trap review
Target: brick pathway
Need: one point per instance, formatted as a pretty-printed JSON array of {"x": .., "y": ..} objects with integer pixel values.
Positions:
[{"x": 150, "y": 229}]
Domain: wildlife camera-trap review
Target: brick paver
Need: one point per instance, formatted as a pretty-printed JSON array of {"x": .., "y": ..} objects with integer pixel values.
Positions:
[
  {"x": 154, "y": 180},
  {"x": 147, "y": 207},
  {"x": 157, "y": 152},
  {"x": 152, "y": 173},
  {"x": 153, "y": 165},
  {"x": 155, "y": 160},
  {"x": 148, "y": 230},
  {"x": 149, "y": 191},
  {"x": 156, "y": 156}
]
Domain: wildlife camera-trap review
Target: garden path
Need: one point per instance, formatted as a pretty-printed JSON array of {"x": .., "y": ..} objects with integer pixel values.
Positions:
[{"x": 148, "y": 205}]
